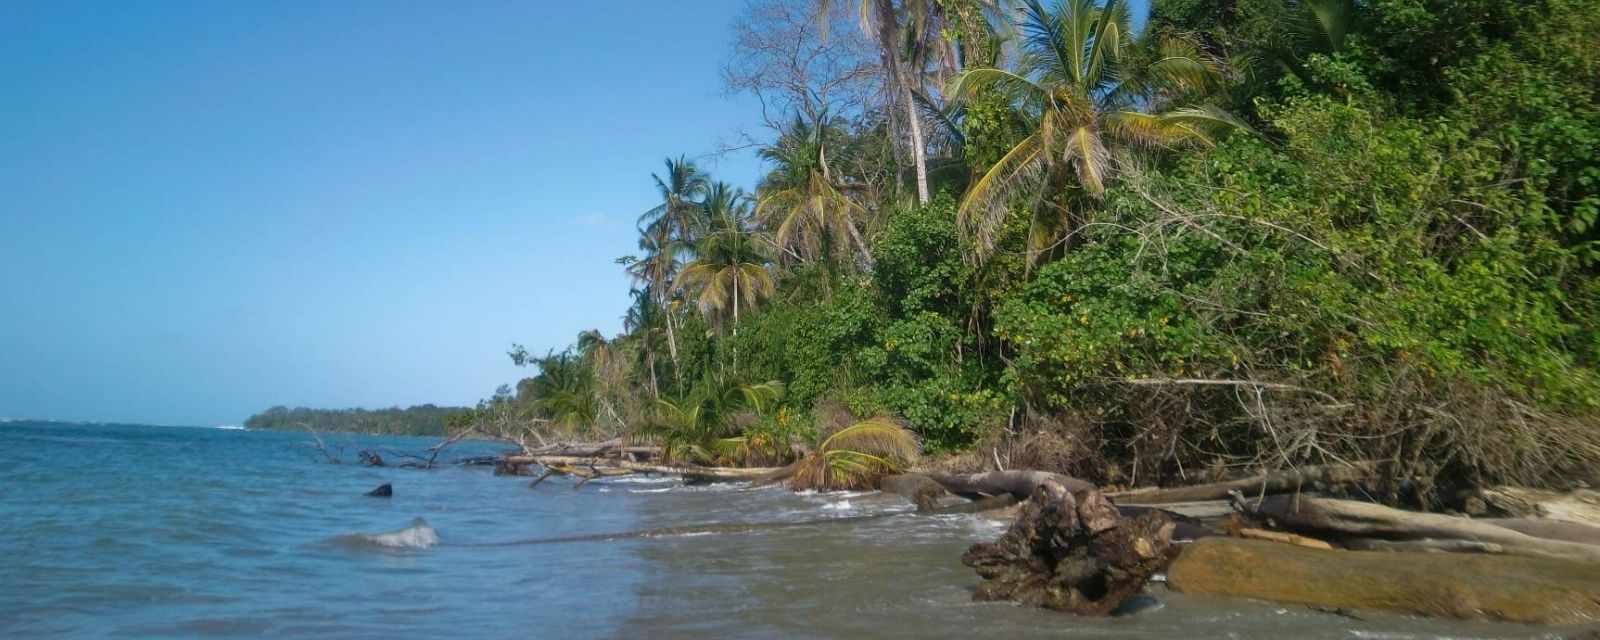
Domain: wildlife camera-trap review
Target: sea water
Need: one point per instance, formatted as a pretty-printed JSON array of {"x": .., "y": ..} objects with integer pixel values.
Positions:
[{"x": 140, "y": 531}]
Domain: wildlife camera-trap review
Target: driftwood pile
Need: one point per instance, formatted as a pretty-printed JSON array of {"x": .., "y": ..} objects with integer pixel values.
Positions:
[
  {"x": 614, "y": 458},
  {"x": 1075, "y": 549},
  {"x": 1531, "y": 556}
]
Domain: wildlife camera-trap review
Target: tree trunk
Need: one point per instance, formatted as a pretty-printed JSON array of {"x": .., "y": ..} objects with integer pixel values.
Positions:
[
  {"x": 1534, "y": 590},
  {"x": 650, "y": 363},
  {"x": 896, "y": 82},
  {"x": 1071, "y": 551},
  {"x": 1019, "y": 484},
  {"x": 1280, "y": 482},
  {"x": 1324, "y": 517},
  {"x": 672, "y": 347},
  {"x": 737, "y": 280},
  {"x": 919, "y": 152}
]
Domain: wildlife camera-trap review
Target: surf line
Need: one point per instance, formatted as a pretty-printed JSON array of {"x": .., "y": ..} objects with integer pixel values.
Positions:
[
  {"x": 738, "y": 527},
  {"x": 684, "y": 531}
]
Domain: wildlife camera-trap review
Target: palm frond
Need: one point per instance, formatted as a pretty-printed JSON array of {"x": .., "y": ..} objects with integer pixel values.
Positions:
[
  {"x": 855, "y": 457},
  {"x": 985, "y": 206}
]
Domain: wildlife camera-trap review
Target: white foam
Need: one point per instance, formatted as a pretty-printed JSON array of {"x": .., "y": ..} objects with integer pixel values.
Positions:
[{"x": 417, "y": 536}]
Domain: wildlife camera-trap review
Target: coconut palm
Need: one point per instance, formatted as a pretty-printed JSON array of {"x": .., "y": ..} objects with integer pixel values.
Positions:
[
  {"x": 679, "y": 215},
  {"x": 1081, "y": 105},
  {"x": 667, "y": 232},
  {"x": 808, "y": 215},
  {"x": 881, "y": 22},
  {"x": 692, "y": 428},
  {"x": 564, "y": 392},
  {"x": 642, "y": 321},
  {"x": 728, "y": 273},
  {"x": 856, "y": 456}
]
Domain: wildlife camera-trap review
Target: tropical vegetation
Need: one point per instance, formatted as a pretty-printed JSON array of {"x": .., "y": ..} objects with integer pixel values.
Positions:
[{"x": 1222, "y": 237}]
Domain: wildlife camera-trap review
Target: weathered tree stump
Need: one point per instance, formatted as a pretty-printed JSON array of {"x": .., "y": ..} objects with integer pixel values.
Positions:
[{"x": 1071, "y": 551}]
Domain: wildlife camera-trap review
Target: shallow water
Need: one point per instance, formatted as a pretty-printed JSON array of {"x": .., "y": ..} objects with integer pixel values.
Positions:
[{"x": 158, "y": 531}]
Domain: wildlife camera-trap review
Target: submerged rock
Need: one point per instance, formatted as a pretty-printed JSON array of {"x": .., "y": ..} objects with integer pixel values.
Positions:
[{"x": 383, "y": 491}]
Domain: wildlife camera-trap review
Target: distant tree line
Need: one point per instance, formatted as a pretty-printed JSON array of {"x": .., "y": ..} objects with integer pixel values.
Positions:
[{"x": 419, "y": 420}]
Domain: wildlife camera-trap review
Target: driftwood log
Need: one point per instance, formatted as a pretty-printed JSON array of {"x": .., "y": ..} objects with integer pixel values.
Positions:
[
  {"x": 1019, "y": 484},
  {"x": 1071, "y": 551},
  {"x": 1293, "y": 480},
  {"x": 1581, "y": 506},
  {"x": 1534, "y": 590},
  {"x": 1324, "y": 517},
  {"x": 601, "y": 465}
]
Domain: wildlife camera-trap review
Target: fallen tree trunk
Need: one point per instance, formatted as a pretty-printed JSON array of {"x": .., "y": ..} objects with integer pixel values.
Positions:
[
  {"x": 1582, "y": 507},
  {"x": 1533, "y": 590},
  {"x": 920, "y": 489},
  {"x": 1019, "y": 484},
  {"x": 1348, "y": 518},
  {"x": 614, "y": 446},
  {"x": 1549, "y": 529},
  {"x": 1071, "y": 551},
  {"x": 1279, "y": 482},
  {"x": 687, "y": 471}
]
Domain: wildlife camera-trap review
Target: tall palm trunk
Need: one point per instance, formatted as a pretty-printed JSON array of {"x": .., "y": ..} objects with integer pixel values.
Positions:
[
  {"x": 897, "y": 80},
  {"x": 650, "y": 363},
  {"x": 919, "y": 154},
  {"x": 672, "y": 348},
  {"x": 736, "y": 279}
]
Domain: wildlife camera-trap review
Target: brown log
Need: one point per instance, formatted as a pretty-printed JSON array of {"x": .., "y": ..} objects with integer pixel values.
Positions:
[
  {"x": 1277, "y": 482},
  {"x": 1071, "y": 551},
  {"x": 916, "y": 487},
  {"x": 1020, "y": 484},
  {"x": 1322, "y": 516},
  {"x": 1517, "y": 589}
]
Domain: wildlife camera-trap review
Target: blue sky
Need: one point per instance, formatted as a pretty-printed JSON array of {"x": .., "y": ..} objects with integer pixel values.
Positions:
[{"x": 209, "y": 208}]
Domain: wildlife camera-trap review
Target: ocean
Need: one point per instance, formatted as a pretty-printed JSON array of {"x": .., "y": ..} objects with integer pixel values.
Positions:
[{"x": 161, "y": 532}]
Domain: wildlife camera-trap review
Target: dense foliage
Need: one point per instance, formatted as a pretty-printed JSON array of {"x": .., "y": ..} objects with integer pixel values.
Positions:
[
  {"x": 1257, "y": 234},
  {"x": 420, "y": 420}
]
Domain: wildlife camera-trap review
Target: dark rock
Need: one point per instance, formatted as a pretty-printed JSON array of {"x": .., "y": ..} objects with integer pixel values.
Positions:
[{"x": 383, "y": 491}]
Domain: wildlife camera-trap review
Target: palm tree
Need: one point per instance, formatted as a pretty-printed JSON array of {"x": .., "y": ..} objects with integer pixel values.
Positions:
[
  {"x": 563, "y": 392},
  {"x": 808, "y": 215},
  {"x": 641, "y": 321},
  {"x": 1079, "y": 103},
  {"x": 728, "y": 273},
  {"x": 691, "y": 429},
  {"x": 606, "y": 369},
  {"x": 667, "y": 231},
  {"x": 856, "y": 456},
  {"x": 881, "y": 22},
  {"x": 679, "y": 214}
]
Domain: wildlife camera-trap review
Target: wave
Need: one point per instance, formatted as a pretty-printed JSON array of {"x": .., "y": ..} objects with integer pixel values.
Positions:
[{"x": 417, "y": 536}]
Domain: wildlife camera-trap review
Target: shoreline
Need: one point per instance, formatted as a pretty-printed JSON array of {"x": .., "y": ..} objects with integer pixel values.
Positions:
[{"x": 1419, "y": 557}]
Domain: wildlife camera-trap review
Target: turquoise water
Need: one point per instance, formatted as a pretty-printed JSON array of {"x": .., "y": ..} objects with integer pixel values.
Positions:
[{"x": 124, "y": 531}]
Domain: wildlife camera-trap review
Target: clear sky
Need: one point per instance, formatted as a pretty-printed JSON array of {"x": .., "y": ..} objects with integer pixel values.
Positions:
[{"x": 210, "y": 208}]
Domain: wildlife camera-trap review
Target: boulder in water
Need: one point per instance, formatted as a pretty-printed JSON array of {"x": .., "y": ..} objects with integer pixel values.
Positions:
[{"x": 384, "y": 490}]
